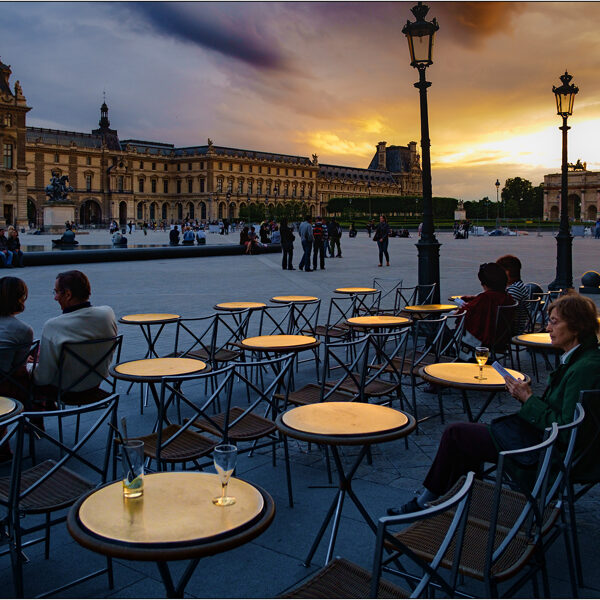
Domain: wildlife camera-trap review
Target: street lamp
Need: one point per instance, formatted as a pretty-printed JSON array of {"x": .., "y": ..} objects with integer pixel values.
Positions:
[
  {"x": 497, "y": 184},
  {"x": 370, "y": 213},
  {"x": 420, "y": 36},
  {"x": 565, "y": 96}
]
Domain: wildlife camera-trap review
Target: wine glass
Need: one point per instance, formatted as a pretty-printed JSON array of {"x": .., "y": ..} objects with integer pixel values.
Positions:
[
  {"x": 481, "y": 356},
  {"x": 225, "y": 457}
]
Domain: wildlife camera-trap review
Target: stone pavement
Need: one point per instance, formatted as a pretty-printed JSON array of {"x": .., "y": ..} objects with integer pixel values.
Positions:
[{"x": 272, "y": 563}]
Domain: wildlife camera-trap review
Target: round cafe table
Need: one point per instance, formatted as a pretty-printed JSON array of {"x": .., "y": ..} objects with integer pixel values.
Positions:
[
  {"x": 336, "y": 424},
  {"x": 280, "y": 344},
  {"x": 355, "y": 290},
  {"x": 294, "y": 299},
  {"x": 9, "y": 407},
  {"x": 463, "y": 377},
  {"x": 235, "y": 306},
  {"x": 174, "y": 519},
  {"x": 430, "y": 309},
  {"x": 152, "y": 370},
  {"x": 378, "y": 322},
  {"x": 537, "y": 343}
]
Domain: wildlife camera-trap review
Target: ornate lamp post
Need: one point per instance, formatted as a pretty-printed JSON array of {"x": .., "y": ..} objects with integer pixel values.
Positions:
[
  {"x": 565, "y": 96},
  {"x": 370, "y": 213},
  {"x": 420, "y": 36},
  {"x": 497, "y": 184}
]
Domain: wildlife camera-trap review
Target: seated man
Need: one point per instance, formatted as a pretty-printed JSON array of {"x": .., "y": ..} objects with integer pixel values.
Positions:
[
  {"x": 201, "y": 237},
  {"x": 79, "y": 322},
  {"x": 174, "y": 236},
  {"x": 188, "y": 236}
]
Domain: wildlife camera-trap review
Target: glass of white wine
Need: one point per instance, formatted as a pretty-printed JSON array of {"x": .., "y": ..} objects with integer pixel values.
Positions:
[
  {"x": 481, "y": 356},
  {"x": 225, "y": 458}
]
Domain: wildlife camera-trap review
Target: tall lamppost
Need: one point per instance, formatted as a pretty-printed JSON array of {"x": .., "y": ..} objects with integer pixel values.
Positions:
[
  {"x": 420, "y": 36},
  {"x": 497, "y": 184},
  {"x": 565, "y": 96},
  {"x": 370, "y": 213}
]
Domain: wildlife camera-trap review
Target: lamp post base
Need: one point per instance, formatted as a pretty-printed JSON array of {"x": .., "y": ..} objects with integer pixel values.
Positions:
[
  {"x": 429, "y": 265},
  {"x": 564, "y": 262}
]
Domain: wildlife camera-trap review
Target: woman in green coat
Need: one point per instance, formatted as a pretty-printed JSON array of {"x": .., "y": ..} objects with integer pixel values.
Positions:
[{"x": 573, "y": 327}]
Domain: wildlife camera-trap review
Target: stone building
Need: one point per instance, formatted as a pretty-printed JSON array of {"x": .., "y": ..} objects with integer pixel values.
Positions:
[
  {"x": 144, "y": 180},
  {"x": 584, "y": 193}
]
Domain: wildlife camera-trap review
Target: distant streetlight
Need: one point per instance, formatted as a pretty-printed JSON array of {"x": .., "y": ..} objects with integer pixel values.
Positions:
[
  {"x": 420, "y": 34},
  {"x": 497, "y": 184},
  {"x": 565, "y": 96},
  {"x": 370, "y": 213}
]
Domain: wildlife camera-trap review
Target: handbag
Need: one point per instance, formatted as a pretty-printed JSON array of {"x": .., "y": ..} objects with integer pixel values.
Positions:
[{"x": 510, "y": 432}]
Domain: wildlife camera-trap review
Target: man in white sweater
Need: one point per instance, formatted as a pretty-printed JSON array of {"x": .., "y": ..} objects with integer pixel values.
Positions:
[{"x": 79, "y": 322}]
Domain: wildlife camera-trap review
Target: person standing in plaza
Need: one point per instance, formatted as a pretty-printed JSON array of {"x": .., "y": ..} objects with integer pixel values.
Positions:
[
  {"x": 318, "y": 242},
  {"x": 382, "y": 236},
  {"x": 597, "y": 229},
  {"x": 287, "y": 245},
  {"x": 335, "y": 233},
  {"x": 306, "y": 238}
]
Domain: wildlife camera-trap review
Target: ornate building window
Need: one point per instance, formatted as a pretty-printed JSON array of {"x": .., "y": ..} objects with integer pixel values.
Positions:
[
  {"x": 88, "y": 183},
  {"x": 220, "y": 184},
  {"x": 8, "y": 120},
  {"x": 179, "y": 166},
  {"x": 249, "y": 168},
  {"x": 153, "y": 186},
  {"x": 202, "y": 186},
  {"x": 250, "y": 185},
  {"x": 56, "y": 158},
  {"x": 189, "y": 185},
  {"x": 286, "y": 188},
  {"x": 189, "y": 166},
  {"x": 179, "y": 186},
  {"x": 268, "y": 188},
  {"x": 141, "y": 164},
  {"x": 302, "y": 190},
  {"x": 230, "y": 185},
  {"x": 259, "y": 187},
  {"x": 88, "y": 160},
  {"x": 294, "y": 189},
  {"x": 120, "y": 183},
  {"x": 231, "y": 166},
  {"x": 241, "y": 168},
  {"x": 240, "y": 189},
  {"x": 7, "y": 156},
  {"x": 154, "y": 166},
  {"x": 141, "y": 185},
  {"x": 165, "y": 186},
  {"x": 166, "y": 167}
]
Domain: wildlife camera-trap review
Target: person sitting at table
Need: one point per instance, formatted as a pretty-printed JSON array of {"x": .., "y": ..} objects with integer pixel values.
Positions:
[
  {"x": 573, "y": 327},
  {"x": 480, "y": 321},
  {"x": 80, "y": 321},
  {"x": 516, "y": 288}
]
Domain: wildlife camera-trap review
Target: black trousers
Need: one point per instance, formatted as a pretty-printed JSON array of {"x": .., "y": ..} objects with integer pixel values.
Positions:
[
  {"x": 318, "y": 249},
  {"x": 288, "y": 254},
  {"x": 464, "y": 447}
]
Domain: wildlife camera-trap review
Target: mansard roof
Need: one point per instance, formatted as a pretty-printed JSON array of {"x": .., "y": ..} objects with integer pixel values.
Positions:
[
  {"x": 63, "y": 138},
  {"x": 355, "y": 173},
  {"x": 397, "y": 159}
]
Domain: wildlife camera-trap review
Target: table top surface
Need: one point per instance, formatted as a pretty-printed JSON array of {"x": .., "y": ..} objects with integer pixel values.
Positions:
[
  {"x": 146, "y": 318},
  {"x": 159, "y": 367},
  {"x": 286, "y": 299},
  {"x": 8, "y": 406},
  {"x": 175, "y": 508},
  {"x": 541, "y": 339},
  {"x": 238, "y": 305},
  {"x": 344, "y": 419},
  {"x": 379, "y": 321},
  {"x": 464, "y": 374},
  {"x": 355, "y": 290},
  {"x": 431, "y": 308},
  {"x": 279, "y": 342}
]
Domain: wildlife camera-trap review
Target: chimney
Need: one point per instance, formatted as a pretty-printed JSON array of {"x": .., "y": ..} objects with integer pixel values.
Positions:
[{"x": 381, "y": 156}]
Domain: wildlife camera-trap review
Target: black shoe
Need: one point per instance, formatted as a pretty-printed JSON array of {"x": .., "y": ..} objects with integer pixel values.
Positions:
[
  {"x": 308, "y": 270},
  {"x": 409, "y": 507},
  {"x": 284, "y": 268},
  {"x": 291, "y": 269}
]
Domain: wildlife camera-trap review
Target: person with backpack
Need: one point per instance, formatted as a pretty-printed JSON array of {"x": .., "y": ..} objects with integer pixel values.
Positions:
[
  {"x": 318, "y": 244},
  {"x": 335, "y": 233}
]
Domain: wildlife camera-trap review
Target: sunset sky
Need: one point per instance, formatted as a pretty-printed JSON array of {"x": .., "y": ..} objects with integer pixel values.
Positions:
[{"x": 330, "y": 78}]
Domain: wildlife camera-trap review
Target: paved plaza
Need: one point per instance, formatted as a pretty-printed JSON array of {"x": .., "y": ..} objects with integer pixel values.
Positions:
[{"x": 273, "y": 562}]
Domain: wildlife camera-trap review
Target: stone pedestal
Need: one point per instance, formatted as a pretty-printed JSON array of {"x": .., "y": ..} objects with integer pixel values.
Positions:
[
  {"x": 460, "y": 215},
  {"x": 56, "y": 215}
]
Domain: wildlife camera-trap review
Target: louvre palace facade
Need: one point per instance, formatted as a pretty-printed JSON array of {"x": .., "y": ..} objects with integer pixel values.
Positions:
[{"x": 149, "y": 181}]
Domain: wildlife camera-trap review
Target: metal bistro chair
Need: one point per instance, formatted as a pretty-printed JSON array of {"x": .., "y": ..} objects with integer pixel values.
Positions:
[
  {"x": 10, "y": 383},
  {"x": 343, "y": 579},
  {"x": 53, "y": 485},
  {"x": 387, "y": 286},
  {"x": 303, "y": 320},
  {"x": 341, "y": 308},
  {"x": 505, "y": 526},
  {"x": 412, "y": 296}
]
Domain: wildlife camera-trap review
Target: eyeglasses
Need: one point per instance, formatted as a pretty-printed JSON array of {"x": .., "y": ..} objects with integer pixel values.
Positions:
[{"x": 56, "y": 292}]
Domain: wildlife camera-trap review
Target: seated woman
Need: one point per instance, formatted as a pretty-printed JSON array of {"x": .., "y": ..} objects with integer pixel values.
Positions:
[
  {"x": 244, "y": 236},
  {"x": 480, "y": 321},
  {"x": 14, "y": 245},
  {"x": 573, "y": 327}
]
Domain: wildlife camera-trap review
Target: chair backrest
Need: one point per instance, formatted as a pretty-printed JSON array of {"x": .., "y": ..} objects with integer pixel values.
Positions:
[
  {"x": 366, "y": 303},
  {"x": 276, "y": 319},
  {"x": 586, "y": 466},
  {"x": 426, "y": 341},
  {"x": 84, "y": 365},
  {"x": 457, "y": 505},
  {"x": 205, "y": 336},
  {"x": 341, "y": 308},
  {"x": 517, "y": 504},
  {"x": 388, "y": 287},
  {"x": 386, "y": 355},
  {"x": 503, "y": 328},
  {"x": 75, "y": 456},
  {"x": 345, "y": 361},
  {"x": 532, "y": 312},
  {"x": 412, "y": 296},
  {"x": 10, "y": 383},
  {"x": 304, "y": 317},
  {"x": 454, "y": 329}
]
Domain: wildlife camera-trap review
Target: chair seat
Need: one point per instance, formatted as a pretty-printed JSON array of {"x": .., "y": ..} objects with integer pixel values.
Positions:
[
  {"x": 62, "y": 489},
  {"x": 339, "y": 331},
  {"x": 250, "y": 428},
  {"x": 220, "y": 356},
  {"x": 344, "y": 579},
  {"x": 378, "y": 387},
  {"x": 425, "y": 537},
  {"x": 311, "y": 394},
  {"x": 190, "y": 445}
]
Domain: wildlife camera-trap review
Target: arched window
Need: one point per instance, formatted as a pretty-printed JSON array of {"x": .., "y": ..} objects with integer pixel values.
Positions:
[
  {"x": 240, "y": 189},
  {"x": 203, "y": 211},
  {"x": 179, "y": 211},
  {"x": 153, "y": 211},
  {"x": 140, "y": 211},
  {"x": 141, "y": 185},
  {"x": 249, "y": 187},
  {"x": 220, "y": 184},
  {"x": 221, "y": 214},
  {"x": 165, "y": 210},
  {"x": 190, "y": 210}
]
